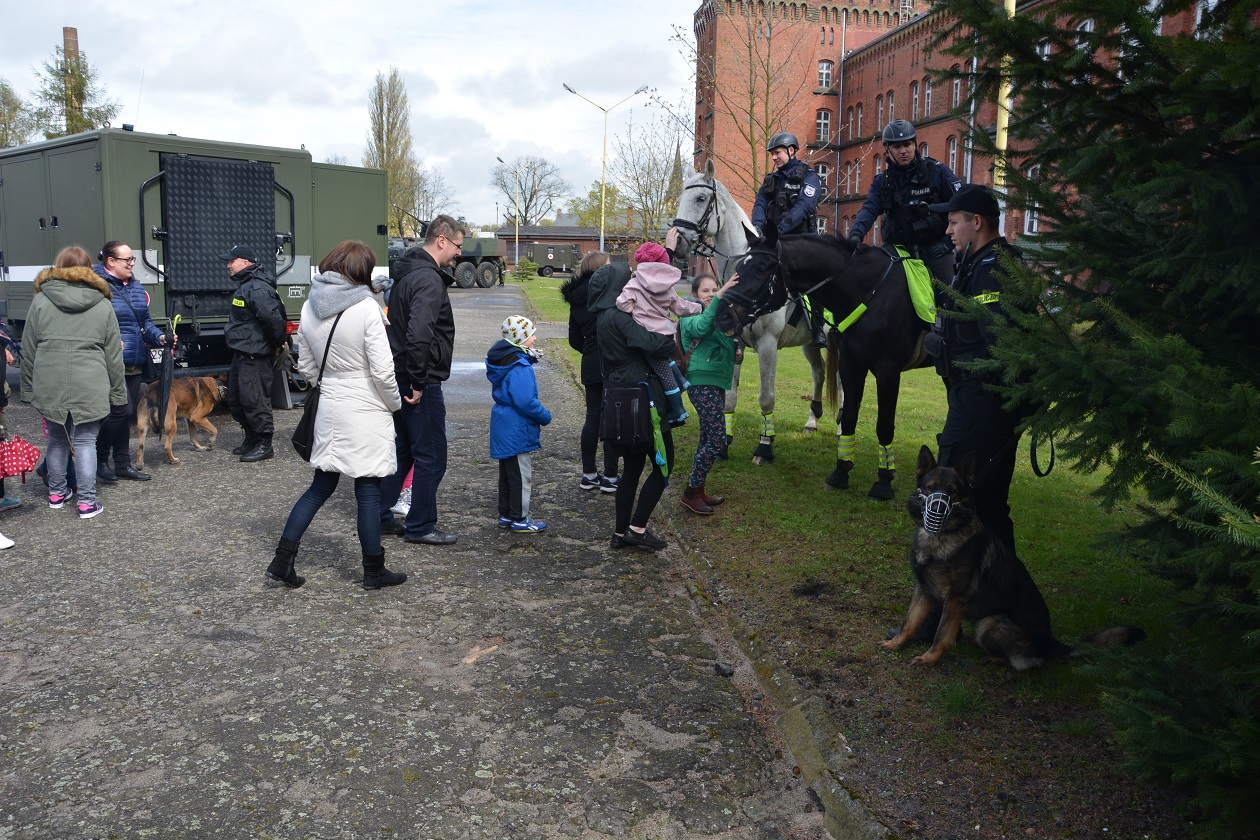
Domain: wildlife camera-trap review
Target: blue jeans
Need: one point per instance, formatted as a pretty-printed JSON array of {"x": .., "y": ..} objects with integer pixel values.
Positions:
[
  {"x": 420, "y": 436},
  {"x": 367, "y": 492},
  {"x": 83, "y": 436}
]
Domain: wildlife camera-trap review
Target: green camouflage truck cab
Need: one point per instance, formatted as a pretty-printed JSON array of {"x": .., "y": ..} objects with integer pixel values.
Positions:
[{"x": 179, "y": 202}]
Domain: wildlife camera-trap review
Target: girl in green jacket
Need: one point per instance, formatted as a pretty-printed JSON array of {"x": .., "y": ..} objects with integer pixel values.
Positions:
[{"x": 710, "y": 370}]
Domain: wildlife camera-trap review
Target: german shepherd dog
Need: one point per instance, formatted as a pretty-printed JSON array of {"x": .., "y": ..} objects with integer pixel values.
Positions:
[
  {"x": 963, "y": 571},
  {"x": 192, "y": 398}
]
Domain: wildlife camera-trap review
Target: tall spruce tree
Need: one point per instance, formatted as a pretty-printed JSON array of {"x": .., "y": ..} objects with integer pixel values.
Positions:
[{"x": 1140, "y": 151}]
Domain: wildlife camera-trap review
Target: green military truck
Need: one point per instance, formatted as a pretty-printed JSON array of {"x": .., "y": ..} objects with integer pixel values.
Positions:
[
  {"x": 552, "y": 258},
  {"x": 481, "y": 261},
  {"x": 178, "y": 202}
]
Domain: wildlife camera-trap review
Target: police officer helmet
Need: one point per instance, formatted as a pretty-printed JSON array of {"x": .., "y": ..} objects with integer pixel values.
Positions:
[
  {"x": 898, "y": 131},
  {"x": 786, "y": 139}
]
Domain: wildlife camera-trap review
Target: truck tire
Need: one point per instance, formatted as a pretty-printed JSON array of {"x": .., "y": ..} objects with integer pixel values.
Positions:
[
  {"x": 487, "y": 274},
  {"x": 546, "y": 271},
  {"x": 466, "y": 275}
]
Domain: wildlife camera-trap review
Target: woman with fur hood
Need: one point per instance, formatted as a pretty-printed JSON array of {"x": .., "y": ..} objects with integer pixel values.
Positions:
[
  {"x": 354, "y": 428},
  {"x": 72, "y": 369}
]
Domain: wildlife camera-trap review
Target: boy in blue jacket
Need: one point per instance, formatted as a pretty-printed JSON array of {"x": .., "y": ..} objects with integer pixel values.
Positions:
[{"x": 515, "y": 420}]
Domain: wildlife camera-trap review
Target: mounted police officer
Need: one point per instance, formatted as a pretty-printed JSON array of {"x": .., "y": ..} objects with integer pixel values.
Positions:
[
  {"x": 788, "y": 200},
  {"x": 902, "y": 193}
]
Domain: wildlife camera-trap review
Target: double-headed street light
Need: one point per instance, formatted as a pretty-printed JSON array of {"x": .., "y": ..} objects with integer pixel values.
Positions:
[
  {"x": 516, "y": 209},
  {"x": 603, "y": 167}
]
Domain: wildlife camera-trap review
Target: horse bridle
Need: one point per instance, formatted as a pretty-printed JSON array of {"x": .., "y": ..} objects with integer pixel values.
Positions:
[
  {"x": 703, "y": 245},
  {"x": 763, "y": 304}
]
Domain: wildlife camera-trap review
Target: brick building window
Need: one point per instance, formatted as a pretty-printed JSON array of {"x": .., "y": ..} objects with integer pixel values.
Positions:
[
  {"x": 848, "y": 118},
  {"x": 824, "y": 74},
  {"x": 923, "y": 150},
  {"x": 1032, "y": 214},
  {"x": 859, "y": 119},
  {"x": 824, "y": 172},
  {"x": 914, "y": 101},
  {"x": 822, "y": 126},
  {"x": 820, "y": 225},
  {"x": 953, "y": 154},
  {"x": 927, "y": 97},
  {"x": 890, "y": 106},
  {"x": 879, "y": 112},
  {"x": 956, "y": 96}
]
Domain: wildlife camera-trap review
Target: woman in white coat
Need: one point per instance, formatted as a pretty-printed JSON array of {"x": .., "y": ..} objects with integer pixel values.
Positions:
[{"x": 354, "y": 430}]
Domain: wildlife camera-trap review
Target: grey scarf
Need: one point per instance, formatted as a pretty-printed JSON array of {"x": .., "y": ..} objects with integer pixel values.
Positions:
[{"x": 332, "y": 293}]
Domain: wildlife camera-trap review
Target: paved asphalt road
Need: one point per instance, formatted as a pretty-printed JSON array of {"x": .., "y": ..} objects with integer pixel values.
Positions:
[{"x": 154, "y": 684}]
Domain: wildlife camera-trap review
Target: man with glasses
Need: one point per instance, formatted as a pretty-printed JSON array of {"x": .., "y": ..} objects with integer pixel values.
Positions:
[
  {"x": 255, "y": 332},
  {"x": 421, "y": 334}
]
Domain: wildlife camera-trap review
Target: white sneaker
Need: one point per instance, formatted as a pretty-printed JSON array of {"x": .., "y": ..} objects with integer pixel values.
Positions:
[
  {"x": 403, "y": 504},
  {"x": 5, "y": 542}
]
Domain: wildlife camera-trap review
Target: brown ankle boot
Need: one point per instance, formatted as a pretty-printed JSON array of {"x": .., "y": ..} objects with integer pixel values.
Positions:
[
  {"x": 711, "y": 501},
  {"x": 693, "y": 500}
]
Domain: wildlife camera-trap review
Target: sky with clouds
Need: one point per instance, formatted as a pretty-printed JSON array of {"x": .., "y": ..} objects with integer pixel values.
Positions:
[{"x": 484, "y": 78}]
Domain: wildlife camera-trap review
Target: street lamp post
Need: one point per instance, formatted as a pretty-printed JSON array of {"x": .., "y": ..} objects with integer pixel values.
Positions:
[
  {"x": 603, "y": 166},
  {"x": 516, "y": 208}
]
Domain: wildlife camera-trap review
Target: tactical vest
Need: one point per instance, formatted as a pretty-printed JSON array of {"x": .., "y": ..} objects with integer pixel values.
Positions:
[
  {"x": 907, "y": 221},
  {"x": 783, "y": 195}
]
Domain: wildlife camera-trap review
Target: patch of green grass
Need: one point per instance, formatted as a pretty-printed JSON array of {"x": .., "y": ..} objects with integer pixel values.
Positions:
[{"x": 960, "y": 699}]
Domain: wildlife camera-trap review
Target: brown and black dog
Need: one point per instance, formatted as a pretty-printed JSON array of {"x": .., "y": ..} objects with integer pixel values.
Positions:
[
  {"x": 192, "y": 398},
  {"x": 964, "y": 571}
]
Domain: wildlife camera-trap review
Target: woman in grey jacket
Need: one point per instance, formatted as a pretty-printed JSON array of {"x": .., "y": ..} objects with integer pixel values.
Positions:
[{"x": 72, "y": 369}]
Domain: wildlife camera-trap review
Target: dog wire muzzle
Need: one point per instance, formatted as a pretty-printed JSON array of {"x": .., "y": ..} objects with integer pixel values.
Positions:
[{"x": 936, "y": 510}]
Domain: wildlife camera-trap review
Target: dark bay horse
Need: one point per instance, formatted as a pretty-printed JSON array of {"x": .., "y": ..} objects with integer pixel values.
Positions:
[{"x": 885, "y": 338}]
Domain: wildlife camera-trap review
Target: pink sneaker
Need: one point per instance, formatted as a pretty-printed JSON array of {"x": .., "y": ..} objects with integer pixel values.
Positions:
[
  {"x": 88, "y": 511},
  {"x": 57, "y": 502}
]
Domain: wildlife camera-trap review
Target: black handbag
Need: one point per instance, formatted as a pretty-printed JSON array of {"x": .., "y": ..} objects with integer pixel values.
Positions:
[
  {"x": 304, "y": 434},
  {"x": 626, "y": 416},
  {"x": 148, "y": 369}
]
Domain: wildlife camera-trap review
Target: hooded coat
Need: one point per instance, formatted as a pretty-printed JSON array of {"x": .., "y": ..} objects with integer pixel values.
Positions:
[
  {"x": 624, "y": 345},
  {"x": 518, "y": 414},
  {"x": 354, "y": 429},
  {"x": 256, "y": 322},
  {"x": 582, "y": 326},
  {"x": 650, "y": 297},
  {"x": 72, "y": 360}
]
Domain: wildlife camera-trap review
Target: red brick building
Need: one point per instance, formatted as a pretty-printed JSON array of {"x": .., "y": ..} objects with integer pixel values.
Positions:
[{"x": 835, "y": 75}]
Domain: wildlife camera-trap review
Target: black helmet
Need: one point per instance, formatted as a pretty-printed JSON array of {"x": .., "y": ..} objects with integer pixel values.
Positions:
[
  {"x": 898, "y": 131},
  {"x": 786, "y": 139}
]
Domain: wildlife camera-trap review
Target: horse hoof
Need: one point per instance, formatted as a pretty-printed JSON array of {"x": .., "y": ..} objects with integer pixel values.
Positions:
[
  {"x": 763, "y": 454},
  {"x": 882, "y": 491},
  {"x": 837, "y": 481}
]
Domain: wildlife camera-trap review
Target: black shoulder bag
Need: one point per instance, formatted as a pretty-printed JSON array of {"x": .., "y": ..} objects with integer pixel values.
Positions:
[{"x": 304, "y": 434}]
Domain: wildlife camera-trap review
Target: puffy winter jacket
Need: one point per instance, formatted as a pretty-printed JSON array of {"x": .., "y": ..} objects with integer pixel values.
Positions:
[
  {"x": 137, "y": 336},
  {"x": 256, "y": 322},
  {"x": 518, "y": 414}
]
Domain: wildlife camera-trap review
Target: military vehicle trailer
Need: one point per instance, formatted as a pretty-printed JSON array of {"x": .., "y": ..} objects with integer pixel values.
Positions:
[
  {"x": 179, "y": 202},
  {"x": 552, "y": 258}
]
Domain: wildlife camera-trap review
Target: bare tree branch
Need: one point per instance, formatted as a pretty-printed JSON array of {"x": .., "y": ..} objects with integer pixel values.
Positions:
[
  {"x": 539, "y": 183},
  {"x": 642, "y": 170}
]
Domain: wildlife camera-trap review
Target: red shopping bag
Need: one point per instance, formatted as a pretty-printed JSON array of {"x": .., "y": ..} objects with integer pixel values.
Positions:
[{"x": 17, "y": 457}]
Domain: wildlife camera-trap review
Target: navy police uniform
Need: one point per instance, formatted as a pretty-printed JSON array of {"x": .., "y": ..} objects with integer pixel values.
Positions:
[
  {"x": 255, "y": 330},
  {"x": 902, "y": 195},
  {"x": 788, "y": 199}
]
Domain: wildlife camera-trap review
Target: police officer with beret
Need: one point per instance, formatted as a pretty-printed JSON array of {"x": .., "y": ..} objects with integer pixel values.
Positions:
[
  {"x": 788, "y": 201},
  {"x": 902, "y": 193},
  {"x": 977, "y": 421},
  {"x": 255, "y": 332}
]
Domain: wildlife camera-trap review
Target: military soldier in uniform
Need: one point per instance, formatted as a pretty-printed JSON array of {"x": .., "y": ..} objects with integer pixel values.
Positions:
[
  {"x": 788, "y": 199},
  {"x": 902, "y": 193}
]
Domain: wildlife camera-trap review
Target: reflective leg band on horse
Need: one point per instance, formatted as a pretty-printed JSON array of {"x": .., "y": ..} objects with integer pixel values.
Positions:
[
  {"x": 767, "y": 425},
  {"x": 846, "y": 447},
  {"x": 886, "y": 459},
  {"x": 730, "y": 424}
]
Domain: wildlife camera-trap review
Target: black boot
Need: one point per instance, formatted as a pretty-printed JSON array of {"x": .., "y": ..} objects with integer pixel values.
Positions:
[
  {"x": 247, "y": 444},
  {"x": 281, "y": 567},
  {"x": 260, "y": 452},
  {"x": 375, "y": 575},
  {"x": 104, "y": 474},
  {"x": 818, "y": 335}
]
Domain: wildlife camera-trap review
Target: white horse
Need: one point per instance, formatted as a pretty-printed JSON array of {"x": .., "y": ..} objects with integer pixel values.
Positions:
[{"x": 712, "y": 224}]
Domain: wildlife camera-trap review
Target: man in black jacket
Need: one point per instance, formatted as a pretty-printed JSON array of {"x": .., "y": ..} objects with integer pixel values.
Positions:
[
  {"x": 421, "y": 334},
  {"x": 255, "y": 333},
  {"x": 976, "y": 420}
]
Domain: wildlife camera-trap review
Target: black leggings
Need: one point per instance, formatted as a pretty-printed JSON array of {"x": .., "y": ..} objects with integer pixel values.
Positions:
[
  {"x": 652, "y": 490},
  {"x": 115, "y": 433},
  {"x": 590, "y": 432}
]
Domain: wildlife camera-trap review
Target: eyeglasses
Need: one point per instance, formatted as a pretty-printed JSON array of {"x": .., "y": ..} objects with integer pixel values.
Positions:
[
  {"x": 128, "y": 260},
  {"x": 459, "y": 246}
]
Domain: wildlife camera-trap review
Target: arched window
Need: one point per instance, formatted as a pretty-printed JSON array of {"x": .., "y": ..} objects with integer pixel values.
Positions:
[
  {"x": 822, "y": 34},
  {"x": 914, "y": 101},
  {"x": 923, "y": 150},
  {"x": 859, "y": 119},
  {"x": 857, "y": 177},
  {"x": 956, "y": 96},
  {"x": 848, "y": 118},
  {"x": 927, "y": 96},
  {"x": 824, "y": 74},
  {"x": 953, "y": 154},
  {"x": 824, "y": 173},
  {"x": 820, "y": 224},
  {"x": 822, "y": 126},
  {"x": 1032, "y": 214},
  {"x": 879, "y": 112},
  {"x": 890, "y": 106}
]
